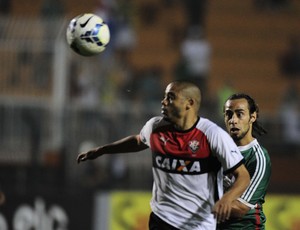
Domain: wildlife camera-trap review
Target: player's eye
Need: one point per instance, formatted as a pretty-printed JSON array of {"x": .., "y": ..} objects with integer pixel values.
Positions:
[
  {"x": 228, "y": 114},
  {"x": 170, "y": 97},
  {"x": 240, "y": 114}
]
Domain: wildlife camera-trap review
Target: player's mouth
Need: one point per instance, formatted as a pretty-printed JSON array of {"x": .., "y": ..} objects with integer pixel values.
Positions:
[
  {"x": 163, "y": 110},
  {"x": 234, "y": 131}
]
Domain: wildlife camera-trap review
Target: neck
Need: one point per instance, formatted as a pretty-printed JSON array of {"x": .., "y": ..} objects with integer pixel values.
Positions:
[
  {"x": 186, "y": 124},
  {"x": 244, "y": 141}
]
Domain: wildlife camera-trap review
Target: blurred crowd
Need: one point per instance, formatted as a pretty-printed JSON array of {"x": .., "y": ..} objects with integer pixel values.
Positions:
[{"x": 113, "y": 82}]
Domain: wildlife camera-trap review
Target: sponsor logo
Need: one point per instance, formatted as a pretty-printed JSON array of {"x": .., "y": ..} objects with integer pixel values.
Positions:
[
  {"x": 234, "y": 151},
  {"x": 164, "y": 140},
  {"x": 185, "y": 166}
]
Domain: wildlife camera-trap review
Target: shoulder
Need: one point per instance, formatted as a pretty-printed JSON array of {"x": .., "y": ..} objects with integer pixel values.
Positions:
[
  {"x": 157, "y": 121},
  {"x": 210, "y": 128},
  {"x": 256, "y": 155},
  {"x": 205, "y": 123},
  {"x": 151, "y": 126},
  {"x": 218, "y": 138},
  {"x": 256, "y": 147}
]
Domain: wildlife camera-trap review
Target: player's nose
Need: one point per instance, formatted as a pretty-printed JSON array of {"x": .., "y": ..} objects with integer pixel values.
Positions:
[{"x": 233, "y": 119}]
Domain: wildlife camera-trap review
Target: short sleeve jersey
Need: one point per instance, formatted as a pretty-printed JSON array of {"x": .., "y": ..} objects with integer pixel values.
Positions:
[
  {"x": 258, "y": 164},
  {"x": 187, "y": 170}
]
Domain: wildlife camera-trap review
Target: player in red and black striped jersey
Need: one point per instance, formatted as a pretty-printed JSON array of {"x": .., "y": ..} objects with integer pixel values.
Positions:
[
  {"x": 190, "y": 154},
  {"x": 240, "y": 115}
]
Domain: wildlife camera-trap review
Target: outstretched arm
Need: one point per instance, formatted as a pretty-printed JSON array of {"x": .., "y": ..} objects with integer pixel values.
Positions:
[
  {"x": 223, "y": 208},
  {"x": 128, "y": 144}
]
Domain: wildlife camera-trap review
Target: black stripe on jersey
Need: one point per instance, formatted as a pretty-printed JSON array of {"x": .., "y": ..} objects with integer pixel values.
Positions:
[
  {"x": 189, "y": 166},
  {"x": 234, "y": 167}
]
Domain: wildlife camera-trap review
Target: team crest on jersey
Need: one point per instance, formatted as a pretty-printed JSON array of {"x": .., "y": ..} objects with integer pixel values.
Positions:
[{"x": 194, "y": 145}]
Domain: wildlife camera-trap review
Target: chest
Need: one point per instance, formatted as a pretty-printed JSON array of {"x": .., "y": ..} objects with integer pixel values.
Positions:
[{"x": 192, "y": 144}]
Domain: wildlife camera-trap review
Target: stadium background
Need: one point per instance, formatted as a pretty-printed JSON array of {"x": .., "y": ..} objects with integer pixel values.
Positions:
[{"x": 54, "y": 103}]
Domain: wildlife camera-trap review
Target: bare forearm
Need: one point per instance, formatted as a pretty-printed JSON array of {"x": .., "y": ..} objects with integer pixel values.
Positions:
[
  {"x": 241, "y": 183},
  {"x": 125, "y": 145}
]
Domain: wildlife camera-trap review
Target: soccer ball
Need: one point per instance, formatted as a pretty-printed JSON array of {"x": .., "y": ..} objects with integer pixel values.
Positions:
[{"x": 87, "y": 34}]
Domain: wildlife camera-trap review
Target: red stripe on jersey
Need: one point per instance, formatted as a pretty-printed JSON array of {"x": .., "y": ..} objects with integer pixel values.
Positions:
[
  {"x": 257, "y": 219},
  {"x": 191, "y": 144}
]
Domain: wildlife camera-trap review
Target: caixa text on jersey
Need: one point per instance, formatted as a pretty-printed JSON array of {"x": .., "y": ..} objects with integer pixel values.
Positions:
[{"x": 185, "y": 165}]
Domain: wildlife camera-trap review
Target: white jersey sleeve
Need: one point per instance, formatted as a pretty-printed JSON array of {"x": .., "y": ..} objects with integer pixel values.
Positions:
[
  {"x": 146, "y": 131},
  {"x": 222, "y": 145}
]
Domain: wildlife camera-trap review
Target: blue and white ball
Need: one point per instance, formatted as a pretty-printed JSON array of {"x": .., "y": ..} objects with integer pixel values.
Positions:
[{"x": 87, "y": 34}]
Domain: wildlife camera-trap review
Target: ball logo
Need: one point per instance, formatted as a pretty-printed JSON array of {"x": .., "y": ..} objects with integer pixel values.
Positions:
[{"x": 84, "y": 24}]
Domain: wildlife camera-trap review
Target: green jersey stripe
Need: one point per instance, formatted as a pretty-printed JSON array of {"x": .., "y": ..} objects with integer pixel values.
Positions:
[{"x": 258, "y": 174}]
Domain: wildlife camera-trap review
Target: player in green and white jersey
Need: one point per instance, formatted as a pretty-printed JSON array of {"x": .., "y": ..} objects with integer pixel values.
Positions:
[{"x": 240, "y": 116}]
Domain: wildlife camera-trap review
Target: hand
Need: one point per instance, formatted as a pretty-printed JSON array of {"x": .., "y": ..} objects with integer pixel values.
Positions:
[
  {"x": 222, "y": 209},
  {"x": 89, "y": 155},
  {"x": 228, "y": 182}
]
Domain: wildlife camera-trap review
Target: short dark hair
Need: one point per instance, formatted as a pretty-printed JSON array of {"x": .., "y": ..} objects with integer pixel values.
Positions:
[{"x": 253, "y": 107}]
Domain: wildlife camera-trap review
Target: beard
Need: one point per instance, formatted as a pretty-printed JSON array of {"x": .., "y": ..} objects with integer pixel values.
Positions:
[
  {"x": 239, "y": 136},
  {"x": 171, "y": 115}
]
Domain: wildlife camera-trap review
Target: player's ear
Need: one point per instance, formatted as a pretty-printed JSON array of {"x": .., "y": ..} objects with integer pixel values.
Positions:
[
  {"x": 190, "y": 103},
  {"x": 253, "y": 117}
]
